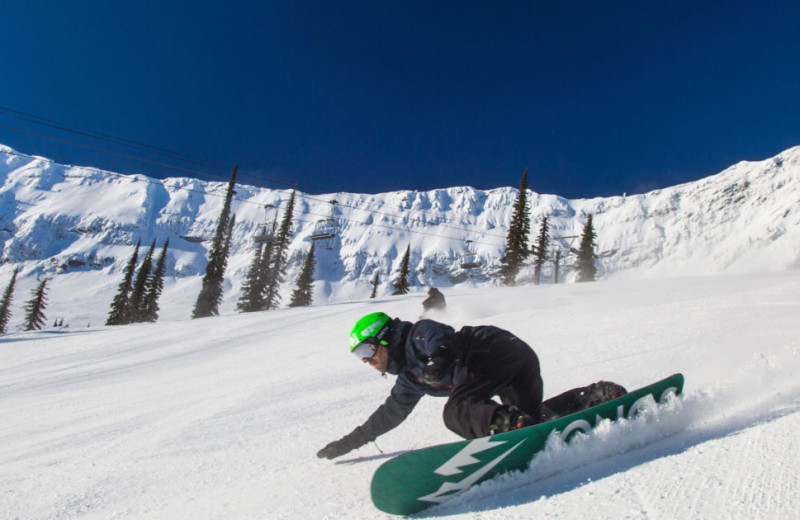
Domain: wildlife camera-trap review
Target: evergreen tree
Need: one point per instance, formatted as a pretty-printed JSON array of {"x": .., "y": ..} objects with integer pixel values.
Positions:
[
  {"x": 210, "y": 296},
  {"x": 375, "y": 282},
  {"x": 5, "y": 305},
  {"x": 540, "y": 250},
  {"x": 303, "y": 295},
  {"x": 401, "y": 284},
  {"x": 118, "y": 315},
  {"x": 264, "y": 274},
  {"x": 34, "y": 308},
  {"x": 517, "y": 238},
  {"x": 155, "y": 284},
  {"x": 251, "y": 299},
  {"x": 585, "y": 264},
  {"x": 277, "y": 267},
  {"x": 136, "y": 301}
]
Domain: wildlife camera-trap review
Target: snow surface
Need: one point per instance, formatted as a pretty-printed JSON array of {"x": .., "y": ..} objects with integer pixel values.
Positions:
[{"x": 222, "y": 417}]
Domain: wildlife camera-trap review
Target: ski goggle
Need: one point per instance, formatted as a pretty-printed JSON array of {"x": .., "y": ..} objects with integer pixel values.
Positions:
[{"x": 366, "y": 349}]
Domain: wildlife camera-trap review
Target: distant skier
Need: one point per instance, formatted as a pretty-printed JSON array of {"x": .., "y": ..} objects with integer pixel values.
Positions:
[
  {"x": 434, "y": 301},
  {"x": 469, "y": 367}
]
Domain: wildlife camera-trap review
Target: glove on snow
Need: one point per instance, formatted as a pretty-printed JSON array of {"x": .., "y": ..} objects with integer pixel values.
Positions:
[{"x": 346, "y": 444}]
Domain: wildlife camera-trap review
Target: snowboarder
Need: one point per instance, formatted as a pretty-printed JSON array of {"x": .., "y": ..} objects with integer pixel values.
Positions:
[
  {"x": 470, "y": 367},
  {"x": 434, "y": 301}
]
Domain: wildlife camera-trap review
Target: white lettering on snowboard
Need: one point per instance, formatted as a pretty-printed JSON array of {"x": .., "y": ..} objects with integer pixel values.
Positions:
[{"x": 465, "y": 457}]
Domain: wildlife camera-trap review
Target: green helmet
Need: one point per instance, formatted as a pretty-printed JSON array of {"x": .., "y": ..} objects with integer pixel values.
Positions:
[{"x": 370, "y": 327}]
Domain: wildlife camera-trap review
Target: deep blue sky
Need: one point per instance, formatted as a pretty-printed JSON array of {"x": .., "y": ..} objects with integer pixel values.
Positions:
[{"x": 594, "y": 98}]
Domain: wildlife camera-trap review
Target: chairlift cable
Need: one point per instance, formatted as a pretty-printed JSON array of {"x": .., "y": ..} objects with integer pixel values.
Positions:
[
  {"x": 54, "y": 124},
  {"x": 120, "y": 140}
]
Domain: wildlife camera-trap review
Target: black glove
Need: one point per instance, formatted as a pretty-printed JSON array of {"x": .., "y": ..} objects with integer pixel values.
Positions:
[
  {"x": 437, "y": 367},
  {"x": 344, "y": 445}
]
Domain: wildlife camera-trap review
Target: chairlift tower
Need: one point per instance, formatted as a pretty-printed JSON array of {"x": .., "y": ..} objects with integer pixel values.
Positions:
[{"x": 559, "y": 251}]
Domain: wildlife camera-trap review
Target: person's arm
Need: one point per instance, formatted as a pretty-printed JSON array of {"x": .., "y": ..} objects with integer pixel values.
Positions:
[{"x": 390, "y": 414}]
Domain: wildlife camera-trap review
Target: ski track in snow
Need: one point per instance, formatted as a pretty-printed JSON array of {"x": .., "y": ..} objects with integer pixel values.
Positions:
[{"x": 222, "y": 417}]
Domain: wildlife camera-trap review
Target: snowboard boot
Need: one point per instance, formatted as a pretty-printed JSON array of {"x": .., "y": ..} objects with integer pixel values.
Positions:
[
  {"x": 600, "y": 392},
  {"x": 507, "y": 418}
]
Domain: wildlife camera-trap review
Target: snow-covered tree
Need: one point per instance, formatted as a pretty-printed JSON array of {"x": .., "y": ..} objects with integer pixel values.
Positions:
[
  {"x": 5, "y": 304},
  {"x": 120, "y": 307},
  {"x": 210, "y": 296},
  {"x": 303, "y": 295},
  {"x": 155, "y": 284},
  {"x": 277, "y": 270},
  {"x": 34, "y": 308},
  {"x": 540, "y": 250},
  {"x": 401, "y": 285},
  {"x": 517, "y": 238},
  {"x": 585, "y": 263}
]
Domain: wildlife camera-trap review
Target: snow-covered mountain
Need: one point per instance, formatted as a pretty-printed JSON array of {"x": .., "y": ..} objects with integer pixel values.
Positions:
[{"x": 78, "y": 225}]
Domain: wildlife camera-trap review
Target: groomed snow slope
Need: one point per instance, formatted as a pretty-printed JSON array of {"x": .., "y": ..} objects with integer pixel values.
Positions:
[{"x": 222, "y": 417}]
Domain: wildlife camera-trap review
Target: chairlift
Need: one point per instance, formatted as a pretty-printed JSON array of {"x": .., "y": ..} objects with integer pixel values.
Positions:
[
  {"x": 323, "y": 229},
  {"x": 469, "y": 260},
  {"x": 264, "y": 231},
  {"x": 326, "y": 228},
  {"x": 262, "y": 236},
  {"x": 195, "y": 239}
]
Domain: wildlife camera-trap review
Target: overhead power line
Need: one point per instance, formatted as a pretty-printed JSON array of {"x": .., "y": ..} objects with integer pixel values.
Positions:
[{"x": 10, "y": 112}]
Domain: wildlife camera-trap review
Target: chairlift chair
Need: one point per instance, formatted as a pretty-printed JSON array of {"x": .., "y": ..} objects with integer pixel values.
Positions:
[
  {"x": 469, "y": 260},
  {"x": 264, "y": 232},
  {"x": 195, "y": 239},
  {"x": 263, "y": 236},
  {"x": 326, "y": 228}
]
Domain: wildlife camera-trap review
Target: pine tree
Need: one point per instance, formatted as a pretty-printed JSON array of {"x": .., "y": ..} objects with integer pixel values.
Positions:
[
  {"x": 5, "y": 305},
  {"x": 251, "y": 299},
  {"x": 118, "y": 315},
  {"x": 210, "y": 296},
  {"x": 263, "y": 276},
  {"x": 585, "y": 264},
  {"x": 517, "y": 238},
  {"x": 401, "y": 285},
  {"x": 303, "y": 295},
  {"x": 34, "y": 308},
  {"x": 155, "y": 284},
  {"x": 277, "y": 269},
  {"x": 136, "y": 301},
  {"x": 540, "y": 249},
  {"x": 375, "y": 282}
]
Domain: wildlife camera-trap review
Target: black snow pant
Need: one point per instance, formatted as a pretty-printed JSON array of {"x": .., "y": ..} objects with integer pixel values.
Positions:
[
  {"x": 503, "y": 366},
  {"x": 567, "y": 403}
]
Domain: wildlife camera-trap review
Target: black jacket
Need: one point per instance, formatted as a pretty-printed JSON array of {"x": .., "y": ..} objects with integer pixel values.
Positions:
[
  {"x": 435, "y": 300},
  {"x": 427, "y": 357}
]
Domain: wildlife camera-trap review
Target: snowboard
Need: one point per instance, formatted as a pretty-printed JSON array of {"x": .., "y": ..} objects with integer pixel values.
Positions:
[{"x": 423, "y": 478}]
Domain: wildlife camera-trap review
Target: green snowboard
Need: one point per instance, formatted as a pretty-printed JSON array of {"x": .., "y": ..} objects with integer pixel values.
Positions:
[{"x": 423, "y": 478}]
